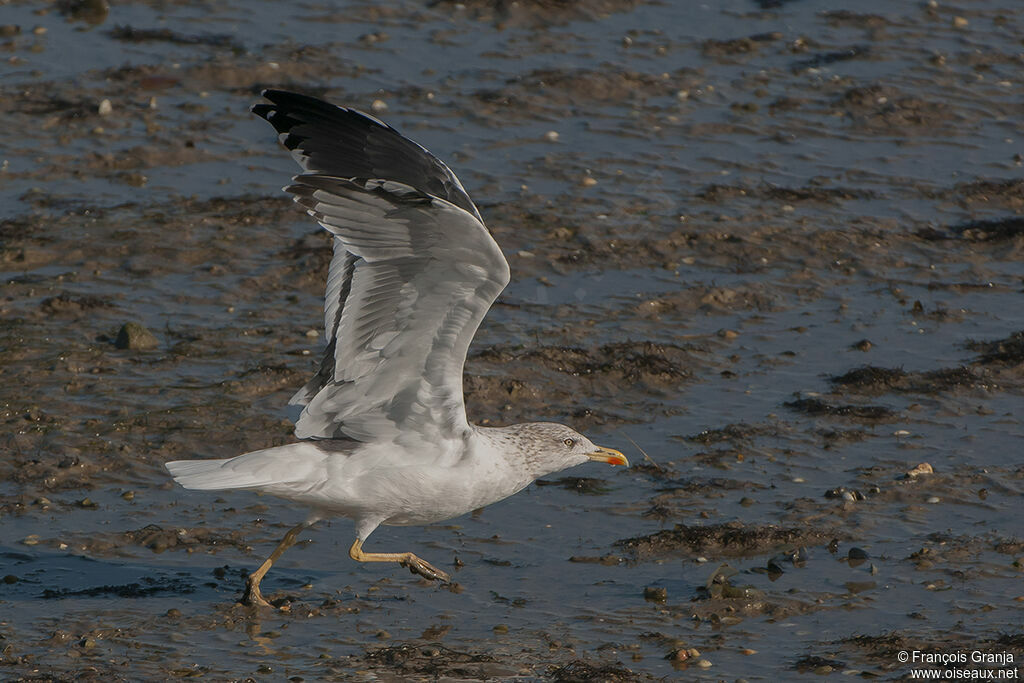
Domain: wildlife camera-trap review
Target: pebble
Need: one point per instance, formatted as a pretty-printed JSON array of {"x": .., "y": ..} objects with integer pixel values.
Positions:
[
  {"x": 921, "y": 468},
  {"x": 934, "y": 499},
  {"x": 135, "y": 337},
  {"x": 655, "y": 593},
  {"x": 551, "y": 136},
  {"x": 383, "y": 635},
  {"x": 588, "y": 181},
  {"x": 105, "y": 108},
  {"x": 39, "y": 30},
  {"x": 128, "y": 495},
  {"x": 500, "y": 629},
  {"x": 857, "y": 554},
  {"x": 31, "y": 539},
  {"x": 960, "y": 22},
  {"x": 703, "y": 663},
  {"x": 379, "y": 106},
  {"x": 10, "y": 578}
]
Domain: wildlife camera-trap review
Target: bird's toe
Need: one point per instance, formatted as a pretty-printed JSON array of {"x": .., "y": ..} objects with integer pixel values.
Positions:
[{"x": 426, "y": 570}]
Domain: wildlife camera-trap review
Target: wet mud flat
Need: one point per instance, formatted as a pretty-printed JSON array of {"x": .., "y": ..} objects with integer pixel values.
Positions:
[{"x": 778, "y": 248}]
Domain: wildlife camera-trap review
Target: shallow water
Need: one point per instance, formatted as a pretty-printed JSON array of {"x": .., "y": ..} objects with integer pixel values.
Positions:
[{"x": 775, "y": 184}]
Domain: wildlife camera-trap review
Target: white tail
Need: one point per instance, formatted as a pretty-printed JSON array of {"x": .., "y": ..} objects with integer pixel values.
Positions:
[{"x": 266, "y": 469}]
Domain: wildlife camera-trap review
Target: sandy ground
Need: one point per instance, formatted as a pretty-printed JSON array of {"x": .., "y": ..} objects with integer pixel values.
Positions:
[{"x": 772, "y": 251}]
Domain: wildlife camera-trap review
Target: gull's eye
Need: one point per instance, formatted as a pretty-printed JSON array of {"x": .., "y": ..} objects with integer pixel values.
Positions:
[{"x": 570, "y": 442}]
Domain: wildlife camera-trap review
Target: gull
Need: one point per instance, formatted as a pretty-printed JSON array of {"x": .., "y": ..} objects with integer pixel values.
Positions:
[{"x": 383, "y": 434}]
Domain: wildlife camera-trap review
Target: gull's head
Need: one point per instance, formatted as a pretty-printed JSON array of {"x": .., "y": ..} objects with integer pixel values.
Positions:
[{"x": 552, "y": 447}]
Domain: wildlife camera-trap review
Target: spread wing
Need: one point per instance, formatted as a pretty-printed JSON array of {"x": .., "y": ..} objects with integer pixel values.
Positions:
[{"x": 413, "y": 274}]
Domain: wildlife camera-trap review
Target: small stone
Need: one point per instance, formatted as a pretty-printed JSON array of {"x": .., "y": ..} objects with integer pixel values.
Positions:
[
  {"x": 128, "y": 495},
  {"x": 921, "y": 468},
  {"x": 39, "y": 30},
  {"x": 857, "y": 554},
  {"x": 934, "y": 499},
  {"x": 10, "y": 578},
  {"x": 680, "y": 655},
  {"x": 105, "y": 108},
  {"x": 264, "y": 669},
  {"x": 87, "y": 503},
  {"x": 747, "y": 651},
  {"x": 588, "y": 181},
  {"x": 311, "y": 333},
  {"x": 379, "y": 106},
  {"x": 9, "y": 30},
  {"x": 703, "y": 663},
  {"x": 31, "y": 539},
  {"x": 133, "y": 179},
  {"x": 727, "y": 334},
  {"x": 383, "y": 635},
  {"x": 551, "y": 136},
  {"x": 655, "y": 594},
  {"x": 500, "y": 629},
  {"x": 173, "y": 613},
  {"x": 960, "y": 22},
  {"x": 136, "y": 337},
  {"x": 862, "y": 345}
]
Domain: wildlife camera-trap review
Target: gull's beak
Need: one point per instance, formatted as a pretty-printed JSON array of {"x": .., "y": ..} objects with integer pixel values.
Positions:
[{"x": 608, "y": 455}]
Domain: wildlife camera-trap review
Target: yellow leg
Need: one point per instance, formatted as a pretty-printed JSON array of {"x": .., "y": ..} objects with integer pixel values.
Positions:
[
  {"x": 413, "y": 563},
  {"x": 252, "y": 584}
]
